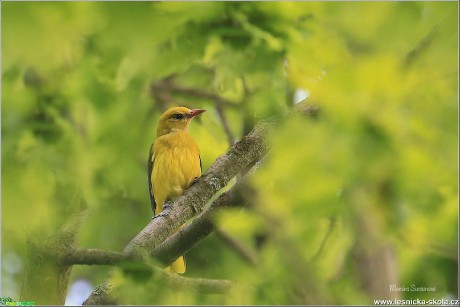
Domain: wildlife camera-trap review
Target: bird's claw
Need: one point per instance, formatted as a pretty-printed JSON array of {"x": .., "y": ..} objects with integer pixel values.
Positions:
[
  {"x": 165, "y": 211},
  {"x": 166, "y": 206}
]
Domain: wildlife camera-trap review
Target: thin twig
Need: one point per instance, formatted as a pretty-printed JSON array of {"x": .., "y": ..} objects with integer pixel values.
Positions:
[
  {"x": 422, "y": 45},
  {"x": 201, "y": 94},
  {"x": 163, "y": 89},
  {"x": 331, "y": 227},
  {"x": 219, "y": 101},
  {"x": 174, "y": 281},
  {"x": 225, "y": 124},
  {"x": 202, "y": 285},
  {"x": 239, "y": 247}
]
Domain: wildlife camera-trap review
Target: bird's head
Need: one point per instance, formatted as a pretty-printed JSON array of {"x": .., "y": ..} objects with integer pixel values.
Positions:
[{"x": 176, "y": 119}]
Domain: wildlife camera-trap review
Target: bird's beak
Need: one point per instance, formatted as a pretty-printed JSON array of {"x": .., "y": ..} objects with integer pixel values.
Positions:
[{"x": 195, "y": 112}]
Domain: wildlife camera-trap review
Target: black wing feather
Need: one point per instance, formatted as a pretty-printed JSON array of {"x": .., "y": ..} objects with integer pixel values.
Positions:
[{"x": 149, "y": 171}]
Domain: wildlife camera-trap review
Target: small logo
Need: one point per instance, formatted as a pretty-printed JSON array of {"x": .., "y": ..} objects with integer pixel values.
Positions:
[
  {"x": 4, "y": 300},
  {"x": 8, "y": 301}
]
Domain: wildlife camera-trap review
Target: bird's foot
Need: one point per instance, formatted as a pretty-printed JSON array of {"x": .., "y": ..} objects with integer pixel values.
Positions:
[
  {"x": 166, "y": 207},
  {"x": 165, "y": 212}
]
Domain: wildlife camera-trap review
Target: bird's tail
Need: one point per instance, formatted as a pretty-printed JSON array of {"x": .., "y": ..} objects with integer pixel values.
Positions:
[{"x": 179, "y": 265}]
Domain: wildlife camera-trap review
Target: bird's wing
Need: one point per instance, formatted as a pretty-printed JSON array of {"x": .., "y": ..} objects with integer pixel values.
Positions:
[{"x": 149, "y": 171}]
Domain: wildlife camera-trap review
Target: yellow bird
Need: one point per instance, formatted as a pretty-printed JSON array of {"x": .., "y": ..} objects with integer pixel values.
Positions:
[{"x": 174, "y": 162}]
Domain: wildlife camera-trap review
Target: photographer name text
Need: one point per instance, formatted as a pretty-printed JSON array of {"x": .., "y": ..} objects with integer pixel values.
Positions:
[{"x": 412, "y": 288}]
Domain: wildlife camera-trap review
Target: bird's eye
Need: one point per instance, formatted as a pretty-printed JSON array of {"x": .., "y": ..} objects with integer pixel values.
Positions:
[{"x": 178, "y": 116}]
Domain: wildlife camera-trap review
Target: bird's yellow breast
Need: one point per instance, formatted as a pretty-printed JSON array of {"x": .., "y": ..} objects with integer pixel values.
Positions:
[{"x": 176, "y": 162}]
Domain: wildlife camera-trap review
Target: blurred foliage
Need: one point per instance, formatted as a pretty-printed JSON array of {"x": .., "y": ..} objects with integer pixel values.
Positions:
[{"x": 79, "y": 111}]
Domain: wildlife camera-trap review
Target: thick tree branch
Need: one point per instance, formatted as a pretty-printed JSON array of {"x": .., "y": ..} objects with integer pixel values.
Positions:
[
  {"x": 171, "y": 248},
  {"x": 95, "y": 257},
  {"x": 100, "y": 295},
  {"x": 201, "y": 226}
]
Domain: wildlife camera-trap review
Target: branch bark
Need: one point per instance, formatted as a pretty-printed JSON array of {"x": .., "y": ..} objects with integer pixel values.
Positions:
[{"x": 95, "y": 257}]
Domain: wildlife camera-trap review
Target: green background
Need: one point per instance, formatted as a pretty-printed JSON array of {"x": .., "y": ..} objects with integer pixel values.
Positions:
[{"x": 83, "y": 85}]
